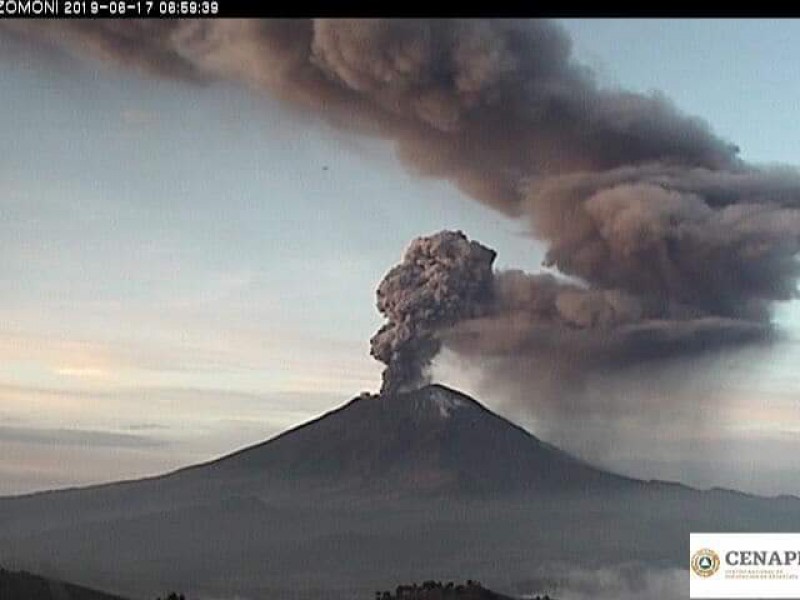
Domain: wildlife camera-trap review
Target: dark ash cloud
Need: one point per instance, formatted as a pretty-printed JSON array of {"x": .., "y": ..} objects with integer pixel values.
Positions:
[
  {"x": 445, "y": 293},
  {"x": 677, "y": 243},
  {"x": 443, "y": 279}
]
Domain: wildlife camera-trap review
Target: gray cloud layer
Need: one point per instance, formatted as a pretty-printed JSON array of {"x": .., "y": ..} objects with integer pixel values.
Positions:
[{"x": 77, "y": 437}]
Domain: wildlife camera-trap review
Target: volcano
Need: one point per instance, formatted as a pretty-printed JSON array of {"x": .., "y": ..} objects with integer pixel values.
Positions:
[
  {"x": 431, "y": 440},
  {"x": 413, "y": 486}
]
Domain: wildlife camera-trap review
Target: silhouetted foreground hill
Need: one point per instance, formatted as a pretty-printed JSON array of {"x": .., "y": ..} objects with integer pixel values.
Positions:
[
  {"x": 20, "y": 585},
  {"x": 436, "y": 590},
  {"x": 25, "y": 586},
  {"x": 382, "y": 489}
]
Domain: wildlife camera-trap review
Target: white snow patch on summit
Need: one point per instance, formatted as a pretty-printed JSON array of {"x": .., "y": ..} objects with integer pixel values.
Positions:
[{"x": 446, "y": 403}]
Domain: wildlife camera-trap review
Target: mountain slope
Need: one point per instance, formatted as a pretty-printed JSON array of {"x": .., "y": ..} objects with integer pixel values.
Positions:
[
  {"x": 431, "y": 439},
  {"x": 25, "y": 586},
  {"x": 418, "y": 486}
]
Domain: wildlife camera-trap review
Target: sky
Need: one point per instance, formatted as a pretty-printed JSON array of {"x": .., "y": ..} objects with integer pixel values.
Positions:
[{"x": 187, "y": 270}]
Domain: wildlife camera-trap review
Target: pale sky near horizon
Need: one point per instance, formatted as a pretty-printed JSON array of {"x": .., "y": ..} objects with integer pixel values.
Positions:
[{"x": 182, "y": 275}]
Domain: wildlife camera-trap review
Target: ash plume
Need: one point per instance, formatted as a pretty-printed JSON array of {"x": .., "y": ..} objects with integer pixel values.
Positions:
[
  {"x": 443, "y": 279},
  {"x": 676, "y": 242},
  {"x": 484, "y": 104},
  {"x": 445, "y": 293}
]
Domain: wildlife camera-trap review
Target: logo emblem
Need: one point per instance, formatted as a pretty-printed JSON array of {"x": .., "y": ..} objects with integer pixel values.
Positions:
[{"x": 705, "y": 563}]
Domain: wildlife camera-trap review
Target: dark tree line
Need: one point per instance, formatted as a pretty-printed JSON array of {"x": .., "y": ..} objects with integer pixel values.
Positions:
[{"x": 436, "y": 590}]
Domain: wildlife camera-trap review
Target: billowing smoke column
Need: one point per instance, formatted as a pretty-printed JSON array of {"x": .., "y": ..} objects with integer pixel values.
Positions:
[
  {"x": 677, "y": 242},
  {"x": 442, "y": 280},
  {"x": 444, "y": 292}
]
